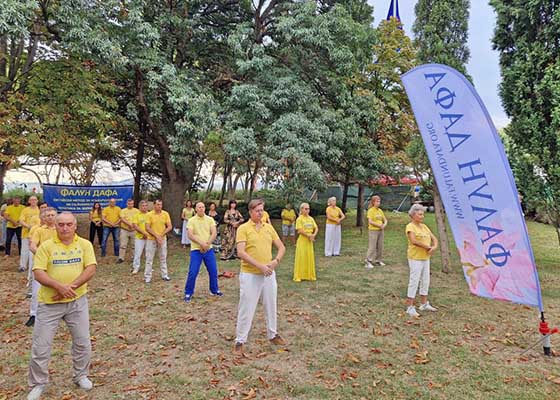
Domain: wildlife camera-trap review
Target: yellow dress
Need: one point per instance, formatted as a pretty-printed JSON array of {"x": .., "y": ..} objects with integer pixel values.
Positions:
[{"x": 304, "y": 266}]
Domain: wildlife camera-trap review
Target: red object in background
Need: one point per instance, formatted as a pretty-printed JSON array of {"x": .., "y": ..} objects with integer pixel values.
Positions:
[{"x": 385, "y": 180}]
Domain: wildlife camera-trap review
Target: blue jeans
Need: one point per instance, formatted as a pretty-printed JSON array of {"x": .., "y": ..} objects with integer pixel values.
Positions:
[
  {"x": 194, "y": 267},
  {"x": 115, "y": 232},
  {"x": 3, "y": 234}
]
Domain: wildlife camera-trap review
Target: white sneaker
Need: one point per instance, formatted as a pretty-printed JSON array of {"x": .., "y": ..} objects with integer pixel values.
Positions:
[
  {"x": 412, "y": 311},
  {"x": 134, "y": 271},
  {"x": 85, "y": 383},
  {"x": 36, "y": 392},
  {"x": 381, "y": 263},
  {"x": 369, "y": 265},
  {"x": 427, "y": 307}
]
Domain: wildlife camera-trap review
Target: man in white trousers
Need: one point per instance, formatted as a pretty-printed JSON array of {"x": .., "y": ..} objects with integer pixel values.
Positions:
[
  {"x": 29, "y": 217},
  {"x": 257, "y": 277},
  {"x": 139, "y": 223},
  {"x": 158, "y": 226},
  {"x": 63, "y": 266}
]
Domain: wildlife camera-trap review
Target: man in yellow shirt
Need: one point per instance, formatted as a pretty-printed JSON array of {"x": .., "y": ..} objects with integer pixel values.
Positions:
[
  {"x": 29, "y": 216},
  {"x": 257, "y": 277},
  {"x": 40, "y": 234},
  {"x": 157, "y": 225},
  {"x": 13, "y": 227},
  {"x": 62, "y": 266},
  {"x": 289, "y": 217},
  {"x": 139, "y": 223},
  {"x": 111, "y": 217},
  {"x": 202, "y": 231},
  {"x": 127, "y": 228}
]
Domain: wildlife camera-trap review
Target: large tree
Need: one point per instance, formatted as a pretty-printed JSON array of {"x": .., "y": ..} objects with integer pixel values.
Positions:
[
  {"x": 526, "y": 37},
  {"x": 441, "y": 33}
]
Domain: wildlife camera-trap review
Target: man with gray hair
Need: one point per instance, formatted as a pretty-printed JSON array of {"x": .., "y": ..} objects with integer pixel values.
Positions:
[{"x": 63, "y": 266}]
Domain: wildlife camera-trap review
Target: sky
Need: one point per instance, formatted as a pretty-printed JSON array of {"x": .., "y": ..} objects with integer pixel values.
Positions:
[{"x": 483, "y": 65}]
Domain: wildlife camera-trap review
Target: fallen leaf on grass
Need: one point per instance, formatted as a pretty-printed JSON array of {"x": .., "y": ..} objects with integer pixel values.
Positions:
[
  {"x": 422, "y": 358},
  {"x": 353, "y": 358},
  {"x": 553, "y": 379},
  {"x": 433, "y": 385},
  {"x": 251, "y": 394}
]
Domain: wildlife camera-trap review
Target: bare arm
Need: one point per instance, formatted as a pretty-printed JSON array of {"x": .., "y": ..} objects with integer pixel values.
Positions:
[{"x": 140, "y": 230}]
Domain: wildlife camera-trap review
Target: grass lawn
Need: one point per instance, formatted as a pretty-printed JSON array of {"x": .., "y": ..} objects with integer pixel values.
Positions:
[{"x": 348, "y": 334}]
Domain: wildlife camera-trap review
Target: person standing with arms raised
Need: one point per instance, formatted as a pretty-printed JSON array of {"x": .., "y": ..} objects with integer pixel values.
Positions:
[
  {"x": 63, "y": 266},
  {"x": 111, "y": 219},
  {"x": 158, "y": 225},
  {"x": 257, "y": 277},
  {"x": 202, "y": 231}
]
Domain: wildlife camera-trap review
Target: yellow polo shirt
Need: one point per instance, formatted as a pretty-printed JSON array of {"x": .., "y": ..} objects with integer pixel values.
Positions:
[
  {"x": 306, "y": 223},
  {"x": 14, "y": 212},
  {"x": 265, "y": 219},
  {"x": 140, "y": 219},
  {"x": 64, "y": 264},
  {"x": 288, "y": 216},
  {"x": 201, "y": 227},
  {"x": 422, "y": 234},
  {"x": 111, "y": 214},
  {"x": 375, "y": 214},
  {"x": 95, "y": 217},
  {"x": 187, "y": 213},
  {"x": 27, "y": 217},
  {"x": 258, "y": 244},
  {"x": 40, "y": 234},
  {"x": 333, "y": 213},
  {"x": 158, "y": 222},
  {"x": 128, "y": 214}
]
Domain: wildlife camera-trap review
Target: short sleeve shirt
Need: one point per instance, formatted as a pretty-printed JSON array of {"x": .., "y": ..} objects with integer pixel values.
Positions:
[
  {"x": 258, "y": 244},
  {"x": 29, "y": 216},
  {"x": 375, "y": 214},
  {"x": 63, "y": 263},
  {"x": 265, "y": 219},
  {"x": 288, "y": 216},
  {"x": 201, "y": 227},
  {"x": 158, "y": 222},
  {"x": 128, "y": 214},
  {"x": 14, "y": 212},
  {"x": 40, "y": 234},
  {"x": 333, "y": 213},
  {"x": 111, "y": 214},
  {"x": 422, "y": 234},
  {"x": 140, "y": 220},
  {"x": 307, "y": 223}
]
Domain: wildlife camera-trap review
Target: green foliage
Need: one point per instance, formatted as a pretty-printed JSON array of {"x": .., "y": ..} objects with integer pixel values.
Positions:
[{"x": 526, "y": 36}]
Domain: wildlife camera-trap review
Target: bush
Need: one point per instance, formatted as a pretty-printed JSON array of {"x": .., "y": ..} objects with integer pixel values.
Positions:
[{"x": 23, "y": 194}]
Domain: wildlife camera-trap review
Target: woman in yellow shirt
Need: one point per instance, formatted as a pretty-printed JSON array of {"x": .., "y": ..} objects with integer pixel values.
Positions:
[
  {"x": 304, "y": 266},
  {"x": 333, "y": 231},
  {"x": 376, "y": 228},
  {"x": 186, "y": 214},
  {"x": 421, "y": 245},
  {"x": 95, "y": 224}
]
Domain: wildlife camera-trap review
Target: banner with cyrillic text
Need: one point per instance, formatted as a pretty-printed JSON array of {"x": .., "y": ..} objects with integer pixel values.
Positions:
[
  {"x": 80, "y": 199},
  {"x": 476, "y": 185}
]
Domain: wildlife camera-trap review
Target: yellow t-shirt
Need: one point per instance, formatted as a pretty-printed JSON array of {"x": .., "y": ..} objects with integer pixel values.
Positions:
[
  {"x": 64, "y": 264},
  {"x": 265, "y": 219},
  {"x": 376, "y": 214},
  {"x": 140, "y": 219},
  {"x": 158, "y": 222},
  {"x": 14, "y": 212},
  {"x": 40, "y": 234},
  {"x": 258, "y": 244},
  {"x": 95, "y": 217},
  {"x": 34, "y": 229},
  {"x": 288, "y": 216},
  {"x": 128, "y": 214},
  {"x": 307, "y": 223},
  {"x": 201, "y": 227},
  {"x": 187, "y": 213},
  {"x": 28, "y": 216},
  {"x": 333, "y": 213},
  {"x": 111, "y": 214},
  {"x": 422, "y": 234}
]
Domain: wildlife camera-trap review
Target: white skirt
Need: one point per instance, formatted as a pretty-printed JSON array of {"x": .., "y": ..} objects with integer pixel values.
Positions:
[{"x": 185, "y": 236}]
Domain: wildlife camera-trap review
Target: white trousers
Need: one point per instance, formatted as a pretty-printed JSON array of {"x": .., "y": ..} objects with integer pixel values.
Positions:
[
  {"x": 333, "y": 235},
  {"x": 419, "y": 274},
  {"x": 251, "y": 288},
  {"x": 151, "y": 247},
  {"x": 139, "y": 245},
  {"x": 184, "y": 234},
  {"x": 35, "y": 286},
  {"x": 26, "y": 258}
]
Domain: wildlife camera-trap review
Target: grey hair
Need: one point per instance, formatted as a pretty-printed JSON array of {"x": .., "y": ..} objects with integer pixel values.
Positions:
[
  {"x": 303, "y": 205},
  {"x": 67, "y": 213},
  {"x": 331, "y": 199},
  {"x": 46, "y": 210},
  {"x": 415, "y": 208}
]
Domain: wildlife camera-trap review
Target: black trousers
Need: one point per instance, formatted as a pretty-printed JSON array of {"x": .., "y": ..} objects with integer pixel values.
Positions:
[
  {"x": 10, "y": 232},
  {"x": 93, "y": 229}
]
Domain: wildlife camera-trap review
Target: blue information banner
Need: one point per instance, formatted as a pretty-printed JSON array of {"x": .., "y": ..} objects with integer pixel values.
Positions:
[{"x": 80, "y": 199}]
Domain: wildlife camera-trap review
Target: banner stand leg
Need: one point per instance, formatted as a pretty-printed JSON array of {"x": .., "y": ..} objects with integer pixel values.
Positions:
[{"x": 547, "y": 333}]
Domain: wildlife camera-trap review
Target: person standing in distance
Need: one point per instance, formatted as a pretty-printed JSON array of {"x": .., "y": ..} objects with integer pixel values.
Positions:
[
  {"x": 111, "y": 219},
  {"x": 63, "y": 266},
  {"x": 202, "y": 231},
  {"x": 257, "y": 277},
  {"x": 158, "y": 225},
  {"x": 128, "y": 233}
]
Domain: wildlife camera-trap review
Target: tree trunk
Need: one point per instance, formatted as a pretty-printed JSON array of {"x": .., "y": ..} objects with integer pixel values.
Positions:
[
  {"x": 210, "y": 186},
  {"x": 442, "y": 231},
  {"x": 139, "y": 160},
  {"x": 360, "y": 206},
  {"x": 345, "y": 187},
  {"x": 227, "y": 172},
  {"x": 173, "y": 195},
  {"x": 4, "y": 166}
]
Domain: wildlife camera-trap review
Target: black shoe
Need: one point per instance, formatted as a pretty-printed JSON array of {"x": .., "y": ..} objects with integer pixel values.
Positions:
[
  {"x": 120, "y": 261},
  {"x": 2, "y": 248},
  {"x": 30, "y": 321}
]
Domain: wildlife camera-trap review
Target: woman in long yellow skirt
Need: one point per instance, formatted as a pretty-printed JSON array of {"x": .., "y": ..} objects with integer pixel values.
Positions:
[{"x": 304, "y": 266}]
